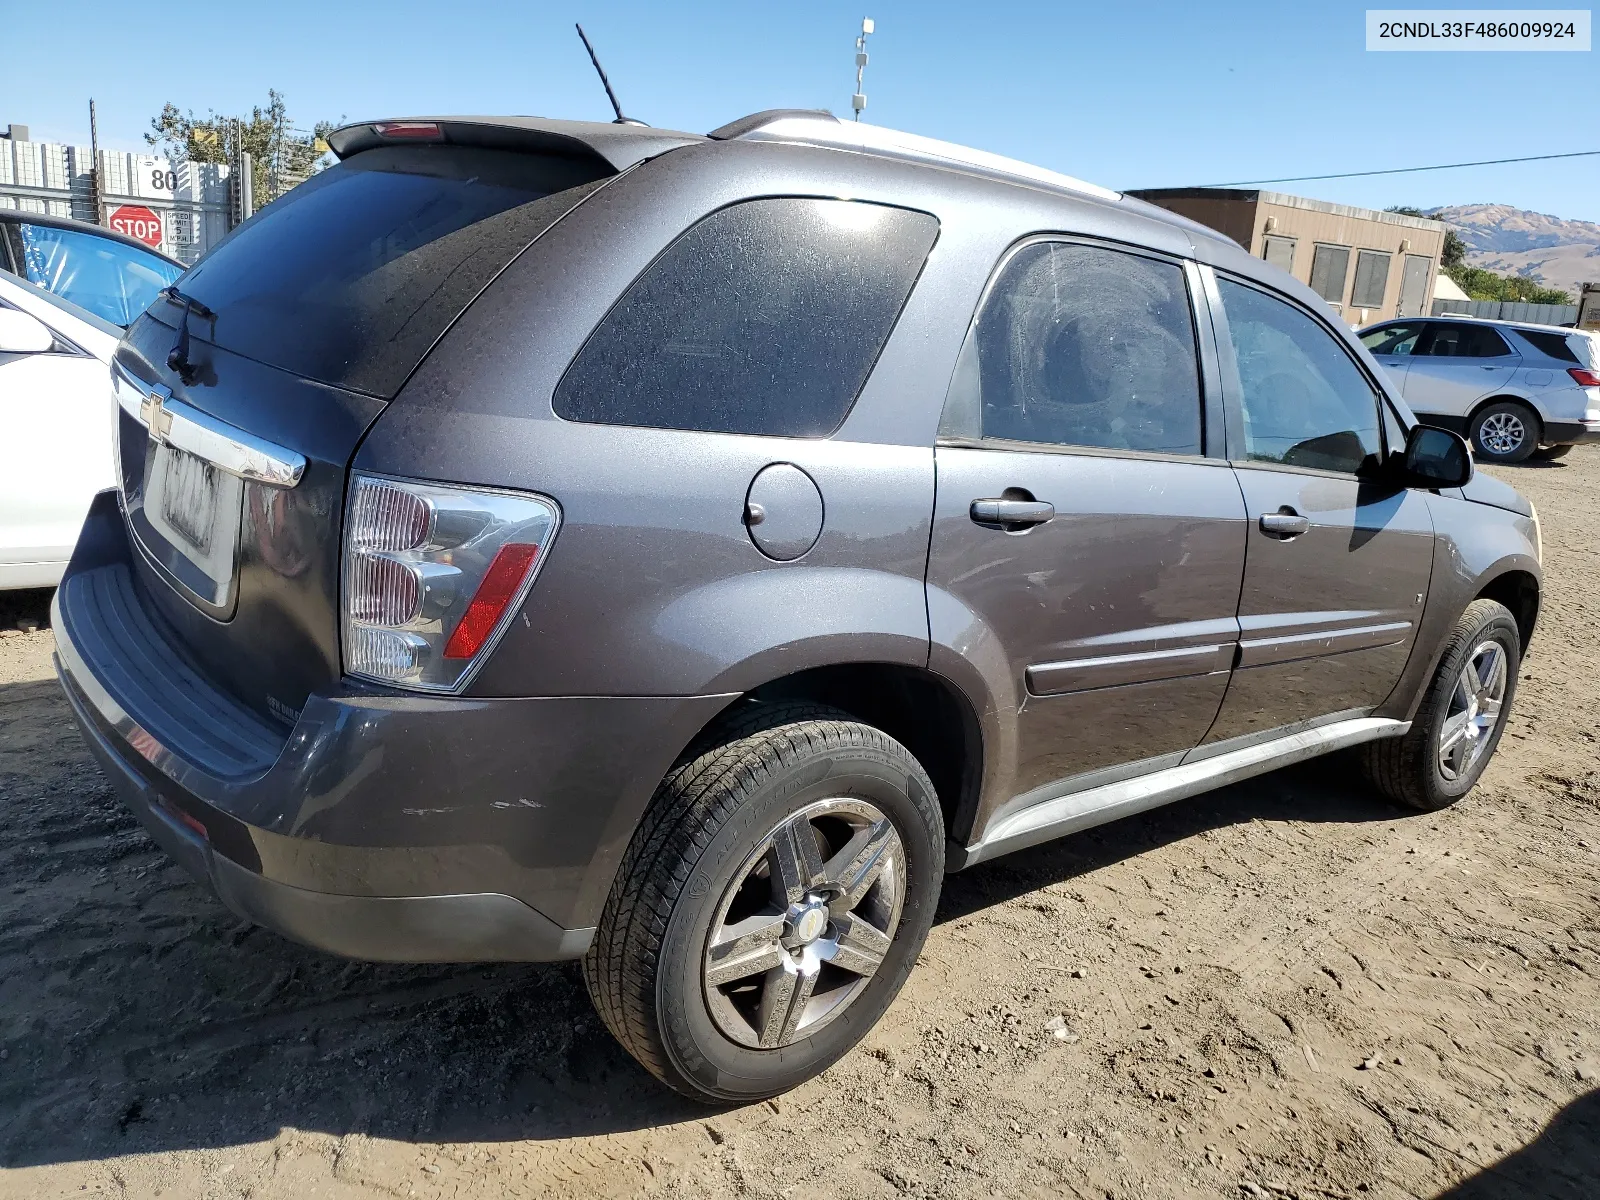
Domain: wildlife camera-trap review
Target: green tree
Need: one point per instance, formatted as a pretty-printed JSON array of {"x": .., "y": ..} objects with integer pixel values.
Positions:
[
  {"x": 1454, "y": 253},
  {"x": 1480, "y": 284},
  {"x": 281, "y": 155}
]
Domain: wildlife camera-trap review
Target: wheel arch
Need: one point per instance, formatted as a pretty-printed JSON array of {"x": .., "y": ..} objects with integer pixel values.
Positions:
[
  {"x": 1506, "y": 398},
  {"x": 1518, "y": 590},
  {"x": 922, "y": 710}
]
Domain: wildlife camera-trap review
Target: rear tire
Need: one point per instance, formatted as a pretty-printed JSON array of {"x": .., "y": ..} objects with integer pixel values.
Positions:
[
  {"x": 1505, "y": 432},
  {"x": 1551, "y": 453},
  {"x": 772, "y": 902},
  {"x": 1422, "y": 769}
]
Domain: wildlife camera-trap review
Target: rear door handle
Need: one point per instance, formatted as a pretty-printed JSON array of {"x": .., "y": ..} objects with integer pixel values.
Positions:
[
  {"x": 1285, "y": 523},
  {"x": 1012, "y": 515}
]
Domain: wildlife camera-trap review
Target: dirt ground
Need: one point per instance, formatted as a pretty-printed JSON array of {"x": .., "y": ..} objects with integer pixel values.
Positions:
[{"x": 1285, "y": 989}]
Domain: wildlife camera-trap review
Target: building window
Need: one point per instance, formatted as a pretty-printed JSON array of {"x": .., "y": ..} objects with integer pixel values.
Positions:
[
  {"x": 1372, "y": 278},
  {"x": 1279, "y": 251},
  {"x": 1329, "y": 267}
]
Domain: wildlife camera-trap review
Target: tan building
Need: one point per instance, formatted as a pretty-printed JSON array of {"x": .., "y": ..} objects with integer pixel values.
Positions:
[{"x": 1369, "y": 265}]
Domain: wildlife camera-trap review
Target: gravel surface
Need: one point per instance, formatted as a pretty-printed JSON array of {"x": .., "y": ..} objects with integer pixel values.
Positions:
[{"x": 1288, "y": 988}]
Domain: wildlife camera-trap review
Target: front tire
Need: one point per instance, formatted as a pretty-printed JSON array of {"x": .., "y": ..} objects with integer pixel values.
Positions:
[
  {"x": 1505, "y": 432},
  {"x": 770, "y": 905},
  {"x": 1459, "y": 723}
]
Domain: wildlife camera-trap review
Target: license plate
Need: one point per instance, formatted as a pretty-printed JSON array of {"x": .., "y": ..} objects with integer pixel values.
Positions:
[
  {"x": 189, "y": 500},
  {"x": 192, "y": 508}
]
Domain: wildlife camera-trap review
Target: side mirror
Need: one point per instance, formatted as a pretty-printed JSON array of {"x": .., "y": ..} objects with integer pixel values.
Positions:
[
  {"x": 21, "y": 333},
  {"x": 1436, "y": 458}
]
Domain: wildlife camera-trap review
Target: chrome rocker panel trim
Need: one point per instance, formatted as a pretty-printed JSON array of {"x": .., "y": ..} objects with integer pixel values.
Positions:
[{"x": 1079, "y": 810}]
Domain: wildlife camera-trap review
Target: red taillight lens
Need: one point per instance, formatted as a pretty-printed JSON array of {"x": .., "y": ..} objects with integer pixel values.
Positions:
[
  {"x": 501, "y": 583},
  {"x": 1585, "y": 377},
  {"x": 416, "y": 131}
]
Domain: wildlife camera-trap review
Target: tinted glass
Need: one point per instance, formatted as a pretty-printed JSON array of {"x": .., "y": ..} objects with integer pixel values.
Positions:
[
  {"x": 114, "y": 281},
  {"x": 352, "y": 276},
  {"x": 1556, "y": 345},
  {"x": 764, "y": 318},
  {"x": 1082, "y": 346},
  {"x": 1463, "y": 341},
  {"x": 1372, "y": 278},
  {"x": 1393, "y": 339},
  {"x": 1305, "y": 402}
]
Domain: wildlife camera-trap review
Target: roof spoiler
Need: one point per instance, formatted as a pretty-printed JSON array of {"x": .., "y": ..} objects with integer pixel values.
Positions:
[{"x": 616, "y": 147}]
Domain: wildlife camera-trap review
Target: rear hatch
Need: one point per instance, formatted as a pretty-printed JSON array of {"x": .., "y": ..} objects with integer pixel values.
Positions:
[{"x": 278, "y": 352}]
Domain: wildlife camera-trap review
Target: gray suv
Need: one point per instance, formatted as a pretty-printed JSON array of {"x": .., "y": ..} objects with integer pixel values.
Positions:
[{"x": 543, "y": 540}]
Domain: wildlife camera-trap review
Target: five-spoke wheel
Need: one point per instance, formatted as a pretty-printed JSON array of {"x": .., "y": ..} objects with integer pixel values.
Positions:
[{"x": 805, "y": 923}]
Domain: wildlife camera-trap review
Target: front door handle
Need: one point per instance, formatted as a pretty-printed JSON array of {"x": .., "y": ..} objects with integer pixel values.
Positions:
[
  {"x": 1014, "y": 516},
  {"x": 1285, "y": 523}
]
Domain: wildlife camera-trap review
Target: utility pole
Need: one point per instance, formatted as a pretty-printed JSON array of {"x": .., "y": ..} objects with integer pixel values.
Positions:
[
  {"x": 859, "y": 100},
  {"x": 94, "y": 166}
]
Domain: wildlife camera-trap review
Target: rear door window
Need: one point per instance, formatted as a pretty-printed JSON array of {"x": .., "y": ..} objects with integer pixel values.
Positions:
[
  {"x": 1460, "y": 340},
  {"x": 1086, "y": 346},
  {"x": 111, "y": 279},
  {"x": 766, "y": 317},
  {"x": 351, "y": 277}
]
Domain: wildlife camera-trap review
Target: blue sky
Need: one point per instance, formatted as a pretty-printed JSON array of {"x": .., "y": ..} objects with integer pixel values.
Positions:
[{"x": 1127, "y": 95}]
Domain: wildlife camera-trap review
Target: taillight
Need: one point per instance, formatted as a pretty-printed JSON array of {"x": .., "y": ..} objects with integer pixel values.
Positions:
[
  {"x": 432, "y": 574},
  {"x": 1585, "y": 377}
]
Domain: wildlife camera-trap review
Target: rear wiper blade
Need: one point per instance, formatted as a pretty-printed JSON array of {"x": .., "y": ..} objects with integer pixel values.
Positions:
[{"x": 178, "y": 356}]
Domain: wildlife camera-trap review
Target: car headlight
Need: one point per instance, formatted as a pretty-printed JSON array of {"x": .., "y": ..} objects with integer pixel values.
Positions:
[{"x": 1538, "y": 533}]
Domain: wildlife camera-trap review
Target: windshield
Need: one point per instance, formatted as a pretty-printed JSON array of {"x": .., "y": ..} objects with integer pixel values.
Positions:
[
  {"x": 351, "y": 277},
  {"x": 107, "y": 277}
]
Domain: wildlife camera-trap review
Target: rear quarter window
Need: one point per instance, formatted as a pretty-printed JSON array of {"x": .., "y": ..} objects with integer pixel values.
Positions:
[
  {"x": 1556, "y": 345},
  {"x": 765, "y": 317}
]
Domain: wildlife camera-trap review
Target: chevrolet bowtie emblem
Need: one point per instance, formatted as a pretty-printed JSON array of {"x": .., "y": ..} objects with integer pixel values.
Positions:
[{"x": 156, "y": 417}]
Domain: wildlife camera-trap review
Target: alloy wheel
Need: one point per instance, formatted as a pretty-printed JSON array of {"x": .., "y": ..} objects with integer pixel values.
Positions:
[
  {"x": 1475, "y": 710},
  {"x": 1502, "y": 433},
  {"x": 805, "y": 924}
]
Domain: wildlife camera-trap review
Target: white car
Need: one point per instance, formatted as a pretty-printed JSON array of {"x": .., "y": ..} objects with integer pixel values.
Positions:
[{"x": 55, "y": 453}]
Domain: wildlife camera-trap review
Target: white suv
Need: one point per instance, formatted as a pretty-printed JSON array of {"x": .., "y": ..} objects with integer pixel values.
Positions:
[{"x": 1515, "y": 390}]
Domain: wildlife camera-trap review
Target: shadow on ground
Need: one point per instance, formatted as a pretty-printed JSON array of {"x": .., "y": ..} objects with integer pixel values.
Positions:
[
  {"x": 1562, "y": 1163},
  {"x": 137, "y": 1014}
]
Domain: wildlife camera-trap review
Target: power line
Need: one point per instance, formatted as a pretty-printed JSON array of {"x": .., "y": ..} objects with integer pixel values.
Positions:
[{"x": 1492, "y": 162}]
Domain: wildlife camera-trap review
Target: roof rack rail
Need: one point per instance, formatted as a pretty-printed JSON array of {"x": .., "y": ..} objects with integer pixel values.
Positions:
[
  {"x": 768, "y": 116},
  {"x": 818, "y": 127}
]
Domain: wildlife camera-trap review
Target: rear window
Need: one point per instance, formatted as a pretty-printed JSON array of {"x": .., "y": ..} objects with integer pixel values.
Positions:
[
  {"x": 352, "y": 276},
  {"x": 1555, "y": 345},
  {"x": 764, "y": 318}
]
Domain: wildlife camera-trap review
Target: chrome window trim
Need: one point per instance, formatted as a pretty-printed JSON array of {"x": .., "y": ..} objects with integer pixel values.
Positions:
[{"x": 185, "y": 427}]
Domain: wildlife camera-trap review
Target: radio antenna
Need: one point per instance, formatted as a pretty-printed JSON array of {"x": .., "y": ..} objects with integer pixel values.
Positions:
[{"x": 606, "y": 83}]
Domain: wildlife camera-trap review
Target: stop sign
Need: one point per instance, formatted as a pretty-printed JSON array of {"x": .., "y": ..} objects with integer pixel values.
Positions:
[{"x": 137, "y": 221}]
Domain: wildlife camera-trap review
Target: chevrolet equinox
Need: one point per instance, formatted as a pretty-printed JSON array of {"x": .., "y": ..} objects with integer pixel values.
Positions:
[{"x": 546, "y": 540}]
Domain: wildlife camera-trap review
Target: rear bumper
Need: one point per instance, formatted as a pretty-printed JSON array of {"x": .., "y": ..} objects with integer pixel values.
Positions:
[
  {"x": 1566, "y": 433},
  {"x": 383, "y": 825}
]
